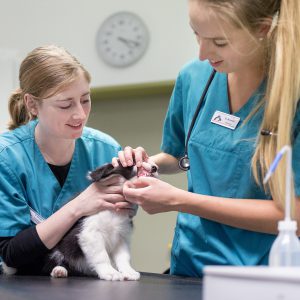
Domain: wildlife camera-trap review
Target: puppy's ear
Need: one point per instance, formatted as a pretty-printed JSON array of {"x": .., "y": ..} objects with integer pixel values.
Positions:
[
  {"x": 108, "y": 169},
  {"x": 100, "y": 172}
]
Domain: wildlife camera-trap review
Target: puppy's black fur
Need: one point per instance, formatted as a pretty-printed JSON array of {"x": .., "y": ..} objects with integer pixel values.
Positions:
[{"x": 108, "y": 170}]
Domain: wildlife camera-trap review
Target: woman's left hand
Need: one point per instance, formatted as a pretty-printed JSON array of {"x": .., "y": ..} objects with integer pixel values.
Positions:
[{"x": 152, "y": 194}]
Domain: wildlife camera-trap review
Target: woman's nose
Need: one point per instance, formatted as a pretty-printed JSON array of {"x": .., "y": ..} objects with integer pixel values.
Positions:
[
  {"x": 79, "y": 112},
  {"x": 204, "y": 49}
]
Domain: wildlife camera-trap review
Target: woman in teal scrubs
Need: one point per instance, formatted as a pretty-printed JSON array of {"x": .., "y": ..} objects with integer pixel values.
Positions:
[
  {"x": 45, "y": 159},
  {"x": 227, "y": 217}
]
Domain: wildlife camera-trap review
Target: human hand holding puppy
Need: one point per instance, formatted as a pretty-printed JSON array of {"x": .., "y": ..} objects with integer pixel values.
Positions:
[
  {"x": 101, "y": 196},
  {"x": 152, "y": 194}
]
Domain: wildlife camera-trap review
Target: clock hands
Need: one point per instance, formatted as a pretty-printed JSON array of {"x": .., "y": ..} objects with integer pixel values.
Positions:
[{"x": 129, "y": 43}]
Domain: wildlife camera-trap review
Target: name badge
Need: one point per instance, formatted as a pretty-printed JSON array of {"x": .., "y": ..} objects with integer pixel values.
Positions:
[{"x": 225, "y": 120}]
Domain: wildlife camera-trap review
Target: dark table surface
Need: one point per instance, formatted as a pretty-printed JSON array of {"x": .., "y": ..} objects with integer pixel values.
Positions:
[{"x": 150, "y": 286}]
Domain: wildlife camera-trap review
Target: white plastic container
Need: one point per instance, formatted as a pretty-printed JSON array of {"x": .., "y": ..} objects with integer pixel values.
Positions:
[
  {"x": 251, "y": 283},
  {"x": 285, "y": 251}
]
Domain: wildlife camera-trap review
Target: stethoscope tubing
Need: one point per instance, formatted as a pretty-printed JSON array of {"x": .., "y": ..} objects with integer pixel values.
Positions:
[{"x": 183, "y": 162}]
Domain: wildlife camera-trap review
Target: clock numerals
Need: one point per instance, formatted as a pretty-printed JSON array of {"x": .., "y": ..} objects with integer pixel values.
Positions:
[{"x": 122, "y": 39}]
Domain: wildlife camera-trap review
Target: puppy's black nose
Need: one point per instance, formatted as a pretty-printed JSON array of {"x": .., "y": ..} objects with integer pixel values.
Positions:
[{"x": 153, "y": 169}]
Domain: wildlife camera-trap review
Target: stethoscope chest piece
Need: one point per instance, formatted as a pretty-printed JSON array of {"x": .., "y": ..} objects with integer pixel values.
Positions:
[{"x": 184, "y": 163}]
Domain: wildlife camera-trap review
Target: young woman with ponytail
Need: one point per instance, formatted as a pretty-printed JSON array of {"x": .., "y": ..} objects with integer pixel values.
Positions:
[
  {"x": 45, "y": 158},
  {"x": 227, "y": 216}
]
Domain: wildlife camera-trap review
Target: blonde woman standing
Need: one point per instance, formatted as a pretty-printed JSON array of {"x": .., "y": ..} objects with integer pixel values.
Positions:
[{"x": 248, "y": 75}]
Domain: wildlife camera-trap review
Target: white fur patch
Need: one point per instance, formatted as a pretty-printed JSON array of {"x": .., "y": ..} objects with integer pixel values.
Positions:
[
  {"x": 59, "y": 272},
  {"x": 8, "y": 270},
  {"x": 104, "y": 239}
]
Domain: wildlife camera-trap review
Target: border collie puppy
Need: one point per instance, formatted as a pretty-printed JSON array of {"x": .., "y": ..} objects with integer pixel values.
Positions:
[{"x": 99, "y": 244}]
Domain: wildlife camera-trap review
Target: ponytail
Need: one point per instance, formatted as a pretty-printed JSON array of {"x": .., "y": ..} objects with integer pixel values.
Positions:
[
  {"x": 17, "y": 110},
  {"x": 282, "y": 97}
]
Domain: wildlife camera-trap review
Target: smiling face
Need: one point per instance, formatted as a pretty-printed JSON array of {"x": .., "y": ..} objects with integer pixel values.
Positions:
[
  {"x": 227, "y": 48},
  {"x": 63, "y": 115}
]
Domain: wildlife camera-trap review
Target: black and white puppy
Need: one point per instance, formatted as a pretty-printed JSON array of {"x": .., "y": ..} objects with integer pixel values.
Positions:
[{"x": 98, "y": 244}]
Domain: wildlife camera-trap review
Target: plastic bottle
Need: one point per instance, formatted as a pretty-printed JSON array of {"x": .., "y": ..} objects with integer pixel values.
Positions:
[{"x": 285, "y": 251}]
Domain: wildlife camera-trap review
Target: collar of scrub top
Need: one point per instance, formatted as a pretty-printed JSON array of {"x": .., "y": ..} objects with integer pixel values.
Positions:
[{"x": 184, "y": 162}]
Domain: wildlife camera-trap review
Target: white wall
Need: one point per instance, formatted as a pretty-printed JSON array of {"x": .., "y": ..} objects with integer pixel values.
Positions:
[
  {"x": 8, "y": 81},
  {"x": 73, "y": 24}
]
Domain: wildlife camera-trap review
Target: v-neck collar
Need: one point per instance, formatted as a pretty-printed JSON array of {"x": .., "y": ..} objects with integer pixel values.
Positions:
[{"x": 243, "y": 112}]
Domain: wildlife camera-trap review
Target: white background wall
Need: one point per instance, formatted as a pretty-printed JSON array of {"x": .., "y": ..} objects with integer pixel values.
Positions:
[
  {"x": 8, "y": 81},
  {"x": 26, "y": 24},
  {"x": 73, "y": 24}
]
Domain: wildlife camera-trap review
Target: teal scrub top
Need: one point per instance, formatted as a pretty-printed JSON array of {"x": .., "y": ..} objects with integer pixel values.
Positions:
[
  {"x": 27, "y": 181},
  {"x": 220, "y": 161}
]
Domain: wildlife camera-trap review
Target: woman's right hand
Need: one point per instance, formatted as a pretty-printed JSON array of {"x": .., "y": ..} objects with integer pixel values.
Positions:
[
  {"x": 164, "y": 162},
  {"x": 129, "y": 157},
  {"x": 100, "y": 196}
]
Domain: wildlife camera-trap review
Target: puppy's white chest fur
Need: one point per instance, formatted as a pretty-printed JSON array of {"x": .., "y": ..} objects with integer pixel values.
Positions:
[
  {"x": 104, "y": 239},
  {"x": 107, "y": 227}
]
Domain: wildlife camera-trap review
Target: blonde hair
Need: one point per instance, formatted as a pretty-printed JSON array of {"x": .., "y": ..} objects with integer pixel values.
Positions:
[
  {"x": 283, "y": 77},
  {"x": 45, "y": 71},
  {"x": 283, "y": 93}
]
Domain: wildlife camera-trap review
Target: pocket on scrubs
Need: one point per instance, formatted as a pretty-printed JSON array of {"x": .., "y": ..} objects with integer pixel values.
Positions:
[{"x": 220, "y": 168}]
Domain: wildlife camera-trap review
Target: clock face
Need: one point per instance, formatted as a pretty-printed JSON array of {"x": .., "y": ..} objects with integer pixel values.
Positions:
[{"x": 122, "y": 39}]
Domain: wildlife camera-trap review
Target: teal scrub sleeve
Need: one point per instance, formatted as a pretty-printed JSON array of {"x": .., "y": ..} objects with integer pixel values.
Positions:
[
  {"x": 173, "y": 140},
  {"x": 14, "y": 210}
]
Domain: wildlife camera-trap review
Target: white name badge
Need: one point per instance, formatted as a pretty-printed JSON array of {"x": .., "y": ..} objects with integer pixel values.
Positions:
[{"x": 225, "y": 120}]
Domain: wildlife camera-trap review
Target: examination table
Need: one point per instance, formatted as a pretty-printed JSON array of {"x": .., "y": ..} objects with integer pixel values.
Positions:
[{"x": 150, "y": 286}]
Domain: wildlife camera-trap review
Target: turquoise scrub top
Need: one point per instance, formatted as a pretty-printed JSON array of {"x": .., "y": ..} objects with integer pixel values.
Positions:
[
  {"x": 220, "y": 161},
  {"x": 27, "y": 181}
]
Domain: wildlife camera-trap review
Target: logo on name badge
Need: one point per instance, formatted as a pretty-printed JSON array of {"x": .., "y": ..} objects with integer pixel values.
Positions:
[{"x": 225, "y": 120}]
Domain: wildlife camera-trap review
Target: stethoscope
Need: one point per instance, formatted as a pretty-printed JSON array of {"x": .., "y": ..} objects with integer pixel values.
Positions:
[{"x": 184, "y": 161}]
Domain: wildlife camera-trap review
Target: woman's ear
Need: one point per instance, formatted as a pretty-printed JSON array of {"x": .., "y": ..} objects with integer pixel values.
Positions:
[
  {"x": 31, "y": 104},
  {"x": 264, "y": 29}
]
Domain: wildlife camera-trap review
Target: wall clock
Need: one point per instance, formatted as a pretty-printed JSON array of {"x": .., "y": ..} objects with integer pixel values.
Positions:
[{"x": 122, "y": 39}]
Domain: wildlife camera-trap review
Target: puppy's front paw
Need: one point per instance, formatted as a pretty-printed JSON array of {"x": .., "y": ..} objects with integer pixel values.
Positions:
[
  {"x": 128, "y": 272},
  {"x": 110, "y": 273},
  {"x": 59, "y": 272},
  {"x": 8, "y": 270},
  {"x": 131, "y": 275}
]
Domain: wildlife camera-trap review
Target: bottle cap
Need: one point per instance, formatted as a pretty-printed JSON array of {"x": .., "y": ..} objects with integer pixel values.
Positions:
[{"x": 287, "y": 225}]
